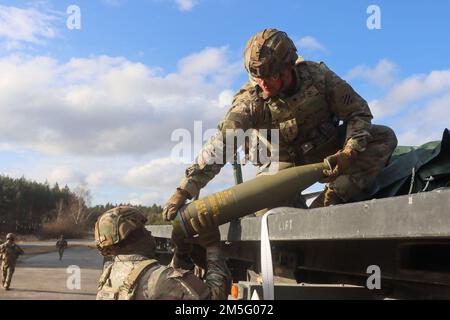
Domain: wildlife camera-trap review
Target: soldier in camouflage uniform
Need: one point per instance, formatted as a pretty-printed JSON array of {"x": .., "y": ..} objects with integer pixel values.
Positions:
[
  {"x": 319, "y": 116},
  {"x": 10, "y": 251},
  {"x": 61, "y": 244},
  {"x": 136, "y": 274}
]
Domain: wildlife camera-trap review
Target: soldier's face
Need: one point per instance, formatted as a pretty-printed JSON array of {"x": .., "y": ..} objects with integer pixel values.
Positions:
[{"x": 271, "y": 86}]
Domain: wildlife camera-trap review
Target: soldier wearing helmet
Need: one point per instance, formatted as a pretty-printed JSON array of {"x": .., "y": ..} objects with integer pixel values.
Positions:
[
  {"x": 135, "y": 274},
  {"x": 319, "y": 116},
  {"x": 61, "y": 244},
  {"x": 10, "y": 252}
]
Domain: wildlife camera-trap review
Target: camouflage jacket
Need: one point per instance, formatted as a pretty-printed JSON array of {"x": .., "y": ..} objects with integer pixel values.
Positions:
[
  {"x": 10, "y": 252},
  {"x": 307, "y": 118},
  {"x": 61, "y": 244},
  {"x": 135, "y": 277}
]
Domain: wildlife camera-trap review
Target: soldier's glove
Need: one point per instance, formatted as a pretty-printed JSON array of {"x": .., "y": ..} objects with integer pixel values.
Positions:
[
  {"x": 207, "y": 228},
  {"x": 181, "y": 243},
  {"x": 176, "y": 201},
  {"x": 339, "y": 163},
  {"x": 181, "y": 258}
]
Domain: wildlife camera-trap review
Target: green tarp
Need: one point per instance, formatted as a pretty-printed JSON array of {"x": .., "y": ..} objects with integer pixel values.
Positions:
[{"x": 430, "y": 161}]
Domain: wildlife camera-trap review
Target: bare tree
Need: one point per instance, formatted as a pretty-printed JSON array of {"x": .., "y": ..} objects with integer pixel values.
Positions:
[{"x": 79, "y": 205}]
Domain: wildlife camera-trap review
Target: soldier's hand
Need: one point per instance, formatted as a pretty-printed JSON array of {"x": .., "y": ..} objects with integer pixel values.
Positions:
[
  {"x": 339, "y": 163},
  {"x": 181, "y": 258},
  {"x": 176, "y": 201},
  {"x": 207, "y": 228},
  {"x": 181, "y": 243}
]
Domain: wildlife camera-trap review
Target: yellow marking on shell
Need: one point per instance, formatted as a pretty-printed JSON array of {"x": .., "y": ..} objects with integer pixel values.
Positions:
[
  {"x": 228, "y": 194},
  {"x": 213, "y": 204},
  {"x": 219, "y": 199},
  {"x": 200, "y": 205}
]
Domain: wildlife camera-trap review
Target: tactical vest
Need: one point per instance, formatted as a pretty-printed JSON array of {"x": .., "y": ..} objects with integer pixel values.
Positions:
[
  {"x": 308, "y": 129},
  {"x": 10, "y": 254},
  {"x": 164, "y": 282},
  {"x": 61, "y": 244},
  {"x": 127, "y": 290}
]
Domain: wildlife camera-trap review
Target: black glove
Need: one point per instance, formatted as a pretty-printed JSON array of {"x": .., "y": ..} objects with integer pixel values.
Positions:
[{"x": 181, "y": 258}]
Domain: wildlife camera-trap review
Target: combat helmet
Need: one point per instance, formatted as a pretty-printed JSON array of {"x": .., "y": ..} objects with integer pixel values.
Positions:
[
  {"x": 115, "y": 225},
  {"x": 268, "y": 52},
  {"x": 10, "y": 236}
]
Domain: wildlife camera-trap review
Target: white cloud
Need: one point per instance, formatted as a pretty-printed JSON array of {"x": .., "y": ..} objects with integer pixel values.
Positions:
[
  {"x": 7, "y": 147},
  {"x": 186, "y": 5},
  {"x": 99, "y": 121},
  {"x": 417, "y": 89},
  {"x": 109, "y": 105},
  {"x": 30, "y": 25},
  {"x": 225, "y": 98},
  {"x": 67, "y": 174},
  {"x": 210, "y": 63},
  {"x": 101, "y": 175},
  {"x": 383, "y": 74},
  {"x": 417, "y": 107},
  {"x": 309, "y": 44},
  {"x": 63, "y": 176},
  {"x": 149, "y": 198},
  {"x": 157, "y": 173},
  {"x": 158, "y": 179},
  {"x": 95, "y": 179},
  {"x": 425, "y": 123}
]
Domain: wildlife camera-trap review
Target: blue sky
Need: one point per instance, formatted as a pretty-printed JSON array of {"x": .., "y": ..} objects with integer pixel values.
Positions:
[
  {"x": 97, "y": 106},
  {"x": 412, "y": 33}
]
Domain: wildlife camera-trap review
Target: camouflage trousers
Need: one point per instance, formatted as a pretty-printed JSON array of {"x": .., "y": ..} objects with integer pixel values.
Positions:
[
  {"x": 7, "y": 273},
  {"x": 363, "y": 172},
  {"x": 60, "y": 252},
  {"x": 367, "y": 165}
]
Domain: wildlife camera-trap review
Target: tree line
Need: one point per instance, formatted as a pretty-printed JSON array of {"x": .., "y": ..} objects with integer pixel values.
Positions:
[{"x": 30, "y": 207}]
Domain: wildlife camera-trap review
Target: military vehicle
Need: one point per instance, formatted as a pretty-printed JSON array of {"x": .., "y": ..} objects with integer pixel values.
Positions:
[{"x": 393, "y": 241}]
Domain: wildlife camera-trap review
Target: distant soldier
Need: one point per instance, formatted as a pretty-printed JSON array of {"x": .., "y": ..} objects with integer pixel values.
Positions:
[
  {"x": 135, "y": 274},
  {"x": 61, "y": 244},
  {"x": 10, "y": 251}
]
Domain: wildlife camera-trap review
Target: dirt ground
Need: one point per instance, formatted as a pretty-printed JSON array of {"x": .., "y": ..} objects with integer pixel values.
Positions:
[{"x": 40, "y": 275}]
